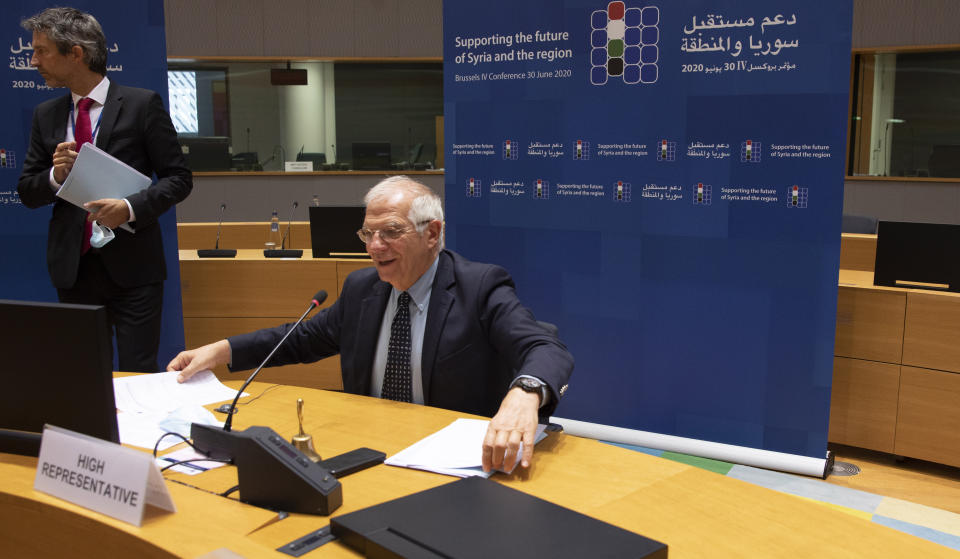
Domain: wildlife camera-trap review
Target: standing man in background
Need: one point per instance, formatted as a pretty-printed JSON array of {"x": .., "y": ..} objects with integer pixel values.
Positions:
[{"x": 125, "y": 273}]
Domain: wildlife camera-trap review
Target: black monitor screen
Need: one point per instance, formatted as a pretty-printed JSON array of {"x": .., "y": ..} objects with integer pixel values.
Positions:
[
  {"x": 917, "y": 255},
  {"x": 333, "y": 232},
  {"x": 58, "y": 369},
  {"x": 371, "y": 156},
  {"x": 206, "y": 153}
]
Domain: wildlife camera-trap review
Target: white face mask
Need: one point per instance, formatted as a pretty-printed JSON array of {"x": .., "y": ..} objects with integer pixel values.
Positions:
[{"x": 100, "y": 236}]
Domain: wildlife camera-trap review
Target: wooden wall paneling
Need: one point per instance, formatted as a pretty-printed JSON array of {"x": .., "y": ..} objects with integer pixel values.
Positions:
[
  {"x": 870, "y": 324},
  {"x": 240, "y": 235},
  {"x": 928, "y": 421},
  {"x": 268, "y": 288},
  {"x": 324, "y": 374},
  {"x": 858, "y": 252},
  {"x": 932, "y": 331},
  {"x": 863, "y": 403}
]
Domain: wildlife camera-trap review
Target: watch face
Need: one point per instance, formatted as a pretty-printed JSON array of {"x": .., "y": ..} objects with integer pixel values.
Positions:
[{"x": 529, "y": 384}]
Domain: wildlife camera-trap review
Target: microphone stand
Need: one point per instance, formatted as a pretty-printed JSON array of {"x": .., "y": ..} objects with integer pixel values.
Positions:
[
  {"x": 285, "y": 252},
  {"x": 216, "y": 251},
  {"x": 221, "y": 443}
]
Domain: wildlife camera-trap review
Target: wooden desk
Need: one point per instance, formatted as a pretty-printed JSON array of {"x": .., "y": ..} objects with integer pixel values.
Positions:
[
  {"x": 228, "y": 296},
  {"x": 696, "y": 512},
  {"x": 896, "y": 378}
]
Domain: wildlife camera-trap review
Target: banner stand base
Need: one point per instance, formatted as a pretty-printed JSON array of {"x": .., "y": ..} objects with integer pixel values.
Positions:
[{"x": 767, "y": 459}]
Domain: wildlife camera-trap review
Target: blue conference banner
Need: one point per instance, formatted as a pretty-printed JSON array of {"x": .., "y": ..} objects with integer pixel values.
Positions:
[
  {"x": 137, "y": 57},
  {"x": 664, "y": 180}
]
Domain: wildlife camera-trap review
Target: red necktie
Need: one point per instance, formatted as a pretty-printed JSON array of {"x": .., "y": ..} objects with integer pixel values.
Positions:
[{"x": 82, "y": 134}]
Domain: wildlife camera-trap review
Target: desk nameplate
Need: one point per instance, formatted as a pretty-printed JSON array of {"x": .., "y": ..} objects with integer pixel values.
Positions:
[{"x": 99, "y": 475}]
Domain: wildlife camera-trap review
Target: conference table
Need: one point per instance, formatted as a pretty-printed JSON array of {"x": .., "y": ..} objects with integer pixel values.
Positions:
[{"x": 697, "y": 513}]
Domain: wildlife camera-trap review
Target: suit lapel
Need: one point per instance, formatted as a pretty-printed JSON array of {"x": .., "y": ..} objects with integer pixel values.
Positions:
[
  {"x": 61, "y": 114},
  {"x": 109, "y": 116},
  {"x": 371, "y": 315},
  {"x": 441, "y": 300}
]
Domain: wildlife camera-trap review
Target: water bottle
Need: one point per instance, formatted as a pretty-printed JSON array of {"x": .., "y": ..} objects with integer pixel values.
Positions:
[
  {"x": 273, "y": 240},
  {"x": 316, "y": 201}
]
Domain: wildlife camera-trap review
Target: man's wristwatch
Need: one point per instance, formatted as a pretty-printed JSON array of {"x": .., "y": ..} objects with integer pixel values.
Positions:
[{"x": 531, "y": 384}]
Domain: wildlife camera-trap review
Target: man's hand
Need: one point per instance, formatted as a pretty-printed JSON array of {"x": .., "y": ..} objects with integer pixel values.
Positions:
[
  {"x": 515, "y": 423},
  {"x": 193, "y": 361},
  {"x": 63, "y": 159},
  {"x": 111, "y": 212}
]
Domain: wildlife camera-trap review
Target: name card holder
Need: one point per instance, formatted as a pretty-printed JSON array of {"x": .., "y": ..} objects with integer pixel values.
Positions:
[
  {"x": 99, "y": 475},
  {"x": 298, "y": 166}
]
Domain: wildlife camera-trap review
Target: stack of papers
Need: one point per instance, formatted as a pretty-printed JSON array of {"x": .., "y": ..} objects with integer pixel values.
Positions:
[
  {"x": 152, "y": 405},
  {"x": 455, "y": 450},
  {"x": 96, "y": 174},
  {"x": 160, "y": 392}
]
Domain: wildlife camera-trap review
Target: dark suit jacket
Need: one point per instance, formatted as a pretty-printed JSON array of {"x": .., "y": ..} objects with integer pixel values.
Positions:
[
  {"x": 136, "y": 129},
  {"x": 478, "y": 337}
]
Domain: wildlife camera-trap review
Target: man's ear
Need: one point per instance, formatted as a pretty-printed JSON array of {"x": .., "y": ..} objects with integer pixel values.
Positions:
[
  {"x": 434, "y": 228},
  {"x": 77, "y": 52}
]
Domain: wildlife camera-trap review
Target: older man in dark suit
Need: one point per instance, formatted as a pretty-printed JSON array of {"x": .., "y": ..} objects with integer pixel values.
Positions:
[
  {"x": 424, "y": 325},
  {"x": 126, "y": 274}
]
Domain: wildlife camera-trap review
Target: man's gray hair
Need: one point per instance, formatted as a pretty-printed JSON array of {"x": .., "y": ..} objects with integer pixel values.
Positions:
[
  {"x": 424, "y": 208},
  {"x": 67, "y": 27}
]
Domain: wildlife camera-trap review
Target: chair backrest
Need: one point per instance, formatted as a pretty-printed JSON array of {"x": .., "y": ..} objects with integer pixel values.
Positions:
[{"x": 858, "y": 224}]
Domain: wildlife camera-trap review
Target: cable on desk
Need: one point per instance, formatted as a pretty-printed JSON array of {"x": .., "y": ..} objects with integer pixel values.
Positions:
[
  {"x": 178, "y": 462},
  {"x": 265, "y": 390},
  {"x": 163, "y": 436}
]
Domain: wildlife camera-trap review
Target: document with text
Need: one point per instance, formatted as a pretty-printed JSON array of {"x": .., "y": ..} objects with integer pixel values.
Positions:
[{"x": 455, "y": 450}]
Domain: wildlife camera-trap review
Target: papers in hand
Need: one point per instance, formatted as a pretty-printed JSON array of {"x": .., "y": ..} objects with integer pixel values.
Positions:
[
  {"x": 455, "y": 450},
  {"x": 96, "y": 174}
]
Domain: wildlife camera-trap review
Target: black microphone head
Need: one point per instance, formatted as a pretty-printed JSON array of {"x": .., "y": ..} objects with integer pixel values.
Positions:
[
  {"x": 295, "y": 204},
  {"x": 320, "y": 297},
  {"x": 223, "y": 207}
]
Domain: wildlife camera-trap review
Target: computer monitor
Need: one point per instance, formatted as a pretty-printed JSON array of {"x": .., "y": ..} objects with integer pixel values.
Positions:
[
  {"x": 58, "y": 369},
  {"x": 206, "y": 153},
  {"x": 371, "y": 156},
  {"x": 917, "y": 255},
  {"x": 333, "y": 232}
]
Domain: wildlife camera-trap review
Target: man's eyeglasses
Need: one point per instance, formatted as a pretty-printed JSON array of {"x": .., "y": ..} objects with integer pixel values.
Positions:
[{"x": 387, "y": 234}]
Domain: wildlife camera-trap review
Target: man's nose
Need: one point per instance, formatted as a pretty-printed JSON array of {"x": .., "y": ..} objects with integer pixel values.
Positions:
[{"x": 376, "y": 242}]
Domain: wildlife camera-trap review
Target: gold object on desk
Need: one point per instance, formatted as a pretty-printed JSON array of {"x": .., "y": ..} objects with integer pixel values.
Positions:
[{"x": 302, "y": 441}]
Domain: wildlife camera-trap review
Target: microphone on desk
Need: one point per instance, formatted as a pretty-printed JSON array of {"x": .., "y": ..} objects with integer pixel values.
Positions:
[
  {"x": 285, "y": 252},
  {"x": 216, "y": 251},
  {"x": 271, "y": 472},
  {"x": 317, "y": 300}
]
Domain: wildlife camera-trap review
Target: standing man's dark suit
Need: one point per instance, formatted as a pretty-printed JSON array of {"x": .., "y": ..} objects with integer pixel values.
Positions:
[
  {"x": 136, "y": 129},
  {"x": 478, "y": 338}
]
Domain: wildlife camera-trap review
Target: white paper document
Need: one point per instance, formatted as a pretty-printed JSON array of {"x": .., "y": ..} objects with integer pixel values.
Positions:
[
  {"x": 455, "y": 450},
  {"x": 160, "y": 392},
  {"x": 96, "y": 174}
]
